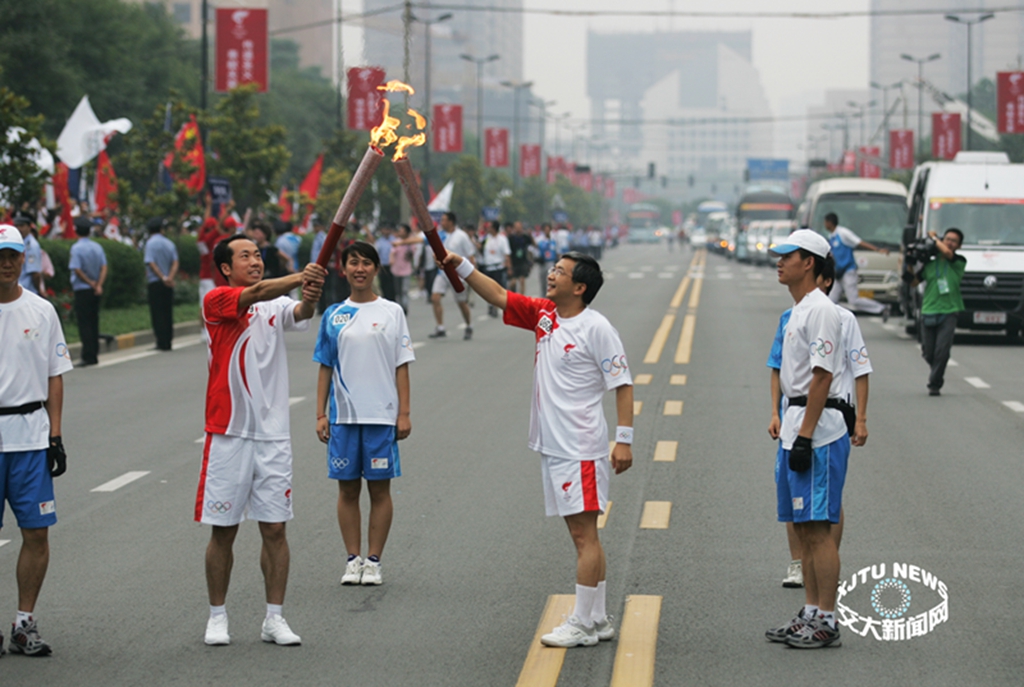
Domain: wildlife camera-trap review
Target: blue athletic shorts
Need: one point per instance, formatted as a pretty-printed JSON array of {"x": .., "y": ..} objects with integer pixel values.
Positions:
[
  {"x": 814, "y": 495},
  {"x": 367, "y": 451},
  {"x": 26, "y": 484}
]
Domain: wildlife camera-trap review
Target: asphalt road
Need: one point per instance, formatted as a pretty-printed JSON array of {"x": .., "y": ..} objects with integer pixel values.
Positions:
[{"x": 472, "y": 561}]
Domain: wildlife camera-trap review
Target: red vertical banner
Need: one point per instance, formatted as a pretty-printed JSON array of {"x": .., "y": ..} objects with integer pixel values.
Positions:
[
  {"x": 364, "y": 100},
  {"x": 496, "y": 147},
  {"x": 552, "y": 171},
  {"x": 529, "y": 160},
  {"x": 945, "y": 135},
  {"x": 447, "y": 128},
  {"x": 585, "y": 181},
  {"x": 867, "y": 162},
  {"x": 599, "y": 185},
  {"x": 243, "y": 51},
  {"x": 901, "y": 149},
  {"x": 849, "y": 164},
  {"x": 609, "y": 189},
  {"x": 1010, "y": 99}
]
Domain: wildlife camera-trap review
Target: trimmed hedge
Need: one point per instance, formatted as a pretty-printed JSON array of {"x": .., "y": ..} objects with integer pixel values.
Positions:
[
  {"x": 188, "y": 253},
  {"x": 126, "y": 273}
]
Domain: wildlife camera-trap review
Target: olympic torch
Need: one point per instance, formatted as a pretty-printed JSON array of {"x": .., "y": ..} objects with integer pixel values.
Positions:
[{"x": 419, "y": 210}]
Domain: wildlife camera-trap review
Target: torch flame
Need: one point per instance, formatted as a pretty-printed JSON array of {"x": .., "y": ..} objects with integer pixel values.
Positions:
[
  {"x": 395, "y": 85},
  {"x": 406, "y": 141},
  {"x": 421, "y": 121},
  {"x": 384, "y": 135}
]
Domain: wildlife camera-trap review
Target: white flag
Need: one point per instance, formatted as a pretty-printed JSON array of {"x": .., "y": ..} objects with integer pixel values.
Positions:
[{"x": 84, "y": 136}]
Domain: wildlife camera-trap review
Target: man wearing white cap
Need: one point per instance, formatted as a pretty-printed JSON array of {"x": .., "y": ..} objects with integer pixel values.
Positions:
[
  {"x": 814, "y": 444},
  {"x": 31, "y": 452}
]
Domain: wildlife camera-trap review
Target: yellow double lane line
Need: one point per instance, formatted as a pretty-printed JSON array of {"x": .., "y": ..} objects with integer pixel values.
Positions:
[{"x": 694, "y": 276}]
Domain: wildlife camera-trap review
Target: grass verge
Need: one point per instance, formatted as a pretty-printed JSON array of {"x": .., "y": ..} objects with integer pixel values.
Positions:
[{"x": 131, "y": 319}]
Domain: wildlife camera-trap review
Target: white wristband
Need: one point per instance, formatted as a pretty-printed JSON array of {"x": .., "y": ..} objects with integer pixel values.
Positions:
[
  {"x": 465, "y": 268},
  {"x": 624, "y": 435}
]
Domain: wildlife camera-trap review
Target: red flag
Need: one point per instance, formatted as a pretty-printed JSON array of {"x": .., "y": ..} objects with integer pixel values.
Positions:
[
  {"x": 188, "y": 144},
  {"x": 901, "y": 149},
  {"x": 242, "y": 49},
  {"x": 285, "y": 205},
  {"x": 1010, "y": 95},
  {"x": 63, "y": 198},
  {"x": 447, "y": 128},
  {"x": 106, "y": 182},
  {"x": 496, "y": 147},
  {"x": 310, "y": 186},
  {"x": 365, "y": 109},
  {"x": 945, "y": 135}
]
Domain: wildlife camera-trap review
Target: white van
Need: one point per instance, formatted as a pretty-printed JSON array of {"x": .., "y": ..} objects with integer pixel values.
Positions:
[
  {"x": 982, "y": 195},
  {"x": 875, "y": 210}
]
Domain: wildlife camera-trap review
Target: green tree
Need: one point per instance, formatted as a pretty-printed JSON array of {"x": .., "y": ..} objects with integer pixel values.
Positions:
[
  {"x": 466, "y": 175},
  {"x": 535, "y": 195},
  {"x": 19, "y": 175}
]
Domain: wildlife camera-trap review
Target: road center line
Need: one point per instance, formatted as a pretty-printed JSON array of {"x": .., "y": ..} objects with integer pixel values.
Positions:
[
  {"x": 656, "y": 515},
  {"x": 637, "y": 407},
  {"x": 637, "y": 642},
  {"x": 1015, "y": 406},
  {"x": 295, "y": 399},
  {"x": 544, "y": 663},
  {"x": 686, "y": 340},
  {"x": 695, "y": 292},
  {"x": 4, "y": 541},
  {"x": 602, "y": 519},
  {"x": 660, "y": 338},
  {"x": 643, "y": 379},
  {"x": 977, "y": 382},
  {"x": 677, "y": 299},
  {"x": 677, "y": 380},
  {"x": 118, "y": 482},
  {"x": 673, "y": 408},
  {"x": 665, "y": 451}
]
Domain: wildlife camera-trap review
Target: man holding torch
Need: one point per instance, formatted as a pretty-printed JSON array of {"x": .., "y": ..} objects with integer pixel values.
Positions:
[
  {"x": 579, "y": 357},
  {"x": 458, "y": 242}
]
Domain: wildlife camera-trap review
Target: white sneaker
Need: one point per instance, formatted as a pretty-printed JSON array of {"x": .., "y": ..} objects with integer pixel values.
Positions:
[
  {"x": 604, "y": 629},
  {"x": 794, "y": 576},
  {"x": 276, "y": 630},
  {"x": 353, "y": 571},
  {"x": 371, "y": 573},
  {"x": 217, "y": 630},
  {"x": 571, "y": 633}
]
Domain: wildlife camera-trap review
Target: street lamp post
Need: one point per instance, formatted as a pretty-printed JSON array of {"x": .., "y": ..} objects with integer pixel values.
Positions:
[
  {"x": 885, "y": 106},
  {"x": 427, "y": 24},
  {"x": 479, "y": 62},
  {"x": 516, "y": 87},
  {"x": 862, "y": 109},
  {"x": 970, "y": 25},
  {"x": 558, "y": 130},
  {"x": 543, "y": 105},
  {"x": 920, "y": 92}
]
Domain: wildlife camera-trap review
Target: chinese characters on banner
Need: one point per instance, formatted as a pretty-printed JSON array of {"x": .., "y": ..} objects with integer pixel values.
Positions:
[
  {"x": 584, "y": 179},
  {"x": 1010, "y": 96},
  {"x": 242, "y": 54},
  {"x": 901, "y": 149},
  {"x": 364, "y": 100},
  {"x": 496, "y": 147},
  {"x": 448, "y": 128},
  {"x": 529, "y": 160},
  {"x": 945, "y": 135},
  {"x": 868, "y": 155},
  {"x": 849, "y": 163}
]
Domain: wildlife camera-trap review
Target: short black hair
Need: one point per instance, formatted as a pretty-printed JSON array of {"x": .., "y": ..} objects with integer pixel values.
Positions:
[
  {"x": 83, "y": 227},
  {"x": 495, "y": 225},
  {"x": 450, "y": 216},
  {"x": 587, "y": 272},
  {"x": 828, "y": 273},
  {"x": 955, "y": 231},
  {"x": 819, "y": 262},
  {"x": 155, "y": 225},
  {"x": 223, "y": 253},
  {"x": 833, "y": 218},
  {"x": 545, "y": 225},
  {"x": 363, "y": 250}
]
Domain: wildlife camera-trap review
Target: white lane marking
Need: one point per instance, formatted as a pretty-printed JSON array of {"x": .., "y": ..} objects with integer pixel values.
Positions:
[
  {"x": 418, "y": 344},
  {"x": 295, "y": 399},
  {"x": 646, "y": 268},
  {"x": 953, "y": 363},
  {"x": 755, "y": 275},
  {"x": 182, "y": 342},
  {"x": 725, "y": 275},
  {"x": 117, "y": 483},
  {"x": 977, "y": 382},
  {"x": 201, "y": 439},
  {"x": 665, "y": 275},
  {"x": 4, "y": 541},
  {"x": 722, "y": 268},
  {"x": 903, "y": 335},
  {"x": 1015, "y": 406},
  {"x": 890, "y": 326},
  {"x": 610, "y": 276},
  {"x": 484, "y": 318},
  {"x": 635, "y": 275}
]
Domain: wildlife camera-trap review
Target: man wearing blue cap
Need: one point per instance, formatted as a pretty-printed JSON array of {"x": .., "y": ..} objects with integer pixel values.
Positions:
[
  {"x": 814, "y": 443},
  {"x": 32, "y": 453}
]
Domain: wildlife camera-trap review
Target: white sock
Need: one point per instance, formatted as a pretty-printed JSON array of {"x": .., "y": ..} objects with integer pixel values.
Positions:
[
  {"x": 273, "y": 609},
  {"x": 599, "y": 613},
  {"x": 440, "y": 327},
  {"x": 810, "y": 611},
  {"x": 218, "y": 610},
  {"x": 585, "y": 604},
  {"x": 23, "y": 616},
  {"x": 830, "y": 618}
]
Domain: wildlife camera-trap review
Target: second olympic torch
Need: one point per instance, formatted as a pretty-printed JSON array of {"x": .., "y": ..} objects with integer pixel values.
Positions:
[
  {"x": 419, "y": 210},
  {"x": 360, "y": 180}
]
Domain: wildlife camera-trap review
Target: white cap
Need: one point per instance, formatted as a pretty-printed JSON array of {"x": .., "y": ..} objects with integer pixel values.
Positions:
[
  {"x": 808, "y": 239},
  {"x": 10, "y": 237}
]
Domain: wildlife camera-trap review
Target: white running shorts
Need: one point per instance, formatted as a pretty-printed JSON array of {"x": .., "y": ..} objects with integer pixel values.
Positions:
[
  {"x": 441, "y": 286},
  {"x": 244, "y": 479},
  {"x": 575, "y": 486}
]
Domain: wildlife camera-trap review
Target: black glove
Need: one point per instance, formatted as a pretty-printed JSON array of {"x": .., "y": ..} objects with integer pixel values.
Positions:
[
  {"x": 800, "y": 455},
  {"x": 56, "y": 458}
]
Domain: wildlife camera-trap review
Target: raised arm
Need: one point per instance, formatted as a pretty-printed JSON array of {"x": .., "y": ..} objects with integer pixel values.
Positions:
[{"x": 490, "y": 290}]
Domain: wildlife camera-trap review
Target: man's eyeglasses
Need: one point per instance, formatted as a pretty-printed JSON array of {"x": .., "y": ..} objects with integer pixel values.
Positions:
[{"x": 558, "y": 272}]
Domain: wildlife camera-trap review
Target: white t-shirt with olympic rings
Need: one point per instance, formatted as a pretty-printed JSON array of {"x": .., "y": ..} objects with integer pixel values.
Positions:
[
  {"x": 813, "y": 340},
  {"x": 578, "y": 360}
]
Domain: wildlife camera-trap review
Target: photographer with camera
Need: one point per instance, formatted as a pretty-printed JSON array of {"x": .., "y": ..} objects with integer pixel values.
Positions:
[{"x": 941, "y": 303}]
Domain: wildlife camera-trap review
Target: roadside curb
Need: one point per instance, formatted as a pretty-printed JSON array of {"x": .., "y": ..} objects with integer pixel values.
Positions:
[{"x": 133, "y": 339}]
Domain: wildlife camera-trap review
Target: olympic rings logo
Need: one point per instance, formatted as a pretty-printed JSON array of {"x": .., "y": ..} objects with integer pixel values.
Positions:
[
  {"x": 821, "y": 347},
  {"x": 218, "y": 506},
  {"x": 615, "y": 365},
  {"x": 406, "y": 342},
  {"x": 62, "y": 351},
  {"x": 860, "y": 356},
  {"x": 339, "y": 463}
]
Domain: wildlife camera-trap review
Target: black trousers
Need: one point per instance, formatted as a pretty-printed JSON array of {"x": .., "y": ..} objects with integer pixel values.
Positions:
[
  {"x": 387, "y": 282},
  {"x": 87, "y": 314},
  {"x": 161, "y": 313},
  {"x": 936, "y": 344}
]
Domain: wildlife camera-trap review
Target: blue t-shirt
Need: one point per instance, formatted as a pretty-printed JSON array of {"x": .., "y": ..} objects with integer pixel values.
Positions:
[
  {"x": 33, "y": 264},
  {"x": 548, "y": 249},
  {"x": 775, "y": 355},
  {"x": 843, "y": 241},
  {"x": 159, "y": 250},
  {"x": 288, "y": 243},
  {"x": 318, "y": 244},
  {"x": 86, "y": 255}
]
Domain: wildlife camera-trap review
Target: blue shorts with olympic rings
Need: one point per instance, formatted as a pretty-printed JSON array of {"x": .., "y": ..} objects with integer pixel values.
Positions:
[
  {"x": 367, "y": 451},
  {"x": 814, "y": 495},
  {"x": 26, "y": 484}
]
